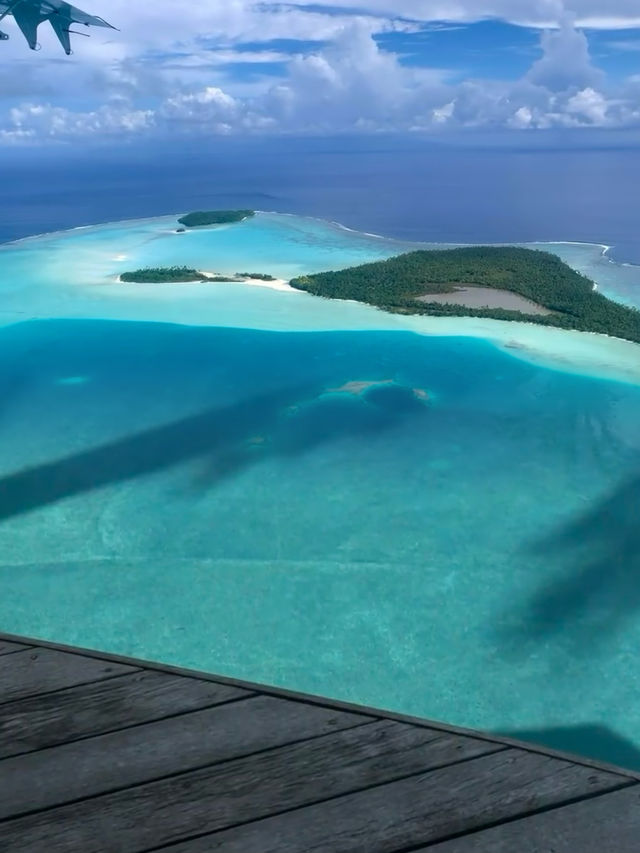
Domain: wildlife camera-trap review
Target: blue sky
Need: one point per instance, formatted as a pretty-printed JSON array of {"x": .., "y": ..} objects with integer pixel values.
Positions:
[
  {"x": 253, "y": 67},
  {"x": 485, "y": 49}
]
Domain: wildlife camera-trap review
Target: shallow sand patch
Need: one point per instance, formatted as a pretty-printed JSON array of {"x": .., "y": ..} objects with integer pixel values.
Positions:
[
  {"x": 585, "y": 353},
  {"x": 359, "y": 387}
]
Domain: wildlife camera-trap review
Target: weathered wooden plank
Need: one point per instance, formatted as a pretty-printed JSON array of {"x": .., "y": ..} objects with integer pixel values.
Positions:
[
  {"x": 7, "y": 647},
  {"x": 606, "y": 824},
  {"x": 417, "y": 810},
  {"x": 91, "y": 709},
  {"x": 168, "y": 810},
  {"x": 131, "y": 756},
  {"x": 37, "y": 670}
]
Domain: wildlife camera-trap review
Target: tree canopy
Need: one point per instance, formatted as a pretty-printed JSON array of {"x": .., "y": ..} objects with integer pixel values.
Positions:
[
  {"x": 396, "y": 283},
  {"x": 214, "y": 217}
]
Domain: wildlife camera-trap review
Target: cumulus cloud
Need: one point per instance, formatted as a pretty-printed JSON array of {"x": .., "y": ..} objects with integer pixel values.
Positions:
[
  {"x": 352, "y": 84},
  {"x": 565, "y": 60},
  {"x": 31, "y": 121},
  {"x": 166, "y": 71}
]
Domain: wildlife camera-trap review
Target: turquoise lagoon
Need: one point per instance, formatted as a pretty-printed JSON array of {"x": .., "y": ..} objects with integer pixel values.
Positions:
[{"x": 183, "y": 479}]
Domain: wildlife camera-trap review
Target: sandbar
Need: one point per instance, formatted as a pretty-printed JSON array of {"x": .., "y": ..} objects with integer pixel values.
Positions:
[{"x": 277, "y": 284}]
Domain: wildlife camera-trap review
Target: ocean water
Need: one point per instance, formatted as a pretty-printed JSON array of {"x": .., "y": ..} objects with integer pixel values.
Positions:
[
  {"x": 200, "y": 496},
  {"x": 314, "y": 494},
  {"x": 579, "y": 186}
]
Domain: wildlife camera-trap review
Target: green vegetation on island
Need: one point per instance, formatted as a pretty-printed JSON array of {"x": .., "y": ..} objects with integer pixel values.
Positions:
[
  {"x": 402, "y": 284},
  {"x": 214, "y": 217},
  {"x": 162, "y": 275},
  {"x": 260, "y": 276},
  {"x": 168, "y": 275},
  {"x": 177, "y": 275}
]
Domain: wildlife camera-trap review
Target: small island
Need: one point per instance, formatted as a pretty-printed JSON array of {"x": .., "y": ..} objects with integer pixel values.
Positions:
[
  {"x": 168, "y": 275},
  {"x": 497, "y": 282},
  {"x": 214, "y": 217},
  {"x": 257, "y": 276},
  {"x": 183, "y": 275}
]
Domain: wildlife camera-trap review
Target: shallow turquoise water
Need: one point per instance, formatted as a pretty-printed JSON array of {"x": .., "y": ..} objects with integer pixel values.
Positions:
[
  {"x": 205, "y": 496},
  {"x": 72, "y": 273}
]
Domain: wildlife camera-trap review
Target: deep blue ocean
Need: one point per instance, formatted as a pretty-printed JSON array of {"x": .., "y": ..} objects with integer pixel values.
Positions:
[
  {"x": 300, "y": 492},
  {"x": 399, "y": 187}
]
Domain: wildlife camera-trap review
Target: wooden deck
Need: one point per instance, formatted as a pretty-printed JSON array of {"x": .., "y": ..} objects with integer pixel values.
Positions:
[{"x": 101, "y": 753}]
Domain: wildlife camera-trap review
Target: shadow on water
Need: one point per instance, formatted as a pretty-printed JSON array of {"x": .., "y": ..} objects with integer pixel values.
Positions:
[
  {"x": 13, "y": 386},
  {"x": 593, "y": 740},
  {"x": 600, "y": 585},
  {"x": 287, "y": 422}
]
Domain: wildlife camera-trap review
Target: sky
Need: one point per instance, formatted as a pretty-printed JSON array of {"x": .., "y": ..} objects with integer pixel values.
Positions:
[{"x": 224, "y": 67}]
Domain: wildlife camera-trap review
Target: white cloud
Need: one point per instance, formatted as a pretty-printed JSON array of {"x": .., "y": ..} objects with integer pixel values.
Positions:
[
  {"x": 43, "y": 120},
  {"x": 523, "y": 117},
  {"x": 565, "y": 60},
  {"x": 589, "y": 105},
  {"x": 352, "y": 84},
  {"x": 167, "y": 70},
  {"x": 441, "y": 115},
  {"x": 615, "y": 14},
  {"x": 212, "y": 109}
]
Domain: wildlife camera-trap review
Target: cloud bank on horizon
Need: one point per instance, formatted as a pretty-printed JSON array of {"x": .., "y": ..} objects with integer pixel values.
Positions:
[{"x": 296, "y": 66}]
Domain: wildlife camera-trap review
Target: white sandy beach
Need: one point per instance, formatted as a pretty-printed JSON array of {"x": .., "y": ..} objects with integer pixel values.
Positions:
[
  {"x": 280, "y": 284},
  {"x": 277, "y": 284}
]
